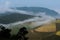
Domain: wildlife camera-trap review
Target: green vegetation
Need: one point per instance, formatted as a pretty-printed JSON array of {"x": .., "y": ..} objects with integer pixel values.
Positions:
[{"x": 13, "y": 17}]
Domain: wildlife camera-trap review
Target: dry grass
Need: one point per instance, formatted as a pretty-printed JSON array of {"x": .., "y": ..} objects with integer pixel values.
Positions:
[{"x": 47, "y": 28}]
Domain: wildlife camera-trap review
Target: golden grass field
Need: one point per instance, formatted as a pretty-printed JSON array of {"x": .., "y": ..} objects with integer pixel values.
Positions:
[
  {"x": 47, "y": 28},
  {"x": 45, "y": 32}
]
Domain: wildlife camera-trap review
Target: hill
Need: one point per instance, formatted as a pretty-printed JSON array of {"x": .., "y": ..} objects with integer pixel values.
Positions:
[
  {"x": 13, "y": 17},
  {"x": 39, "y": 9}
]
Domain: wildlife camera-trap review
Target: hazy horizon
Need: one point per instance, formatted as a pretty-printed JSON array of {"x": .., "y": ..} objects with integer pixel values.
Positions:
[{"x": 51, "y": 4}]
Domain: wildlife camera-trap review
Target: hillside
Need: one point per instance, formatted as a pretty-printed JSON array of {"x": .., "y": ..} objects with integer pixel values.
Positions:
[
  {"x": 39, "y": 9},
  {"x": 13, "y": 17}
]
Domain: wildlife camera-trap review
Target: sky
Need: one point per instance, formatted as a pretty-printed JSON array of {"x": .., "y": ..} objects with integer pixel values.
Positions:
[{"x": 51, "y": 4}]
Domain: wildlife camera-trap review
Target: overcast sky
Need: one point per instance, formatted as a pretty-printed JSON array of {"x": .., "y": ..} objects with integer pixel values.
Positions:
[{"x": 51, "y": 4}]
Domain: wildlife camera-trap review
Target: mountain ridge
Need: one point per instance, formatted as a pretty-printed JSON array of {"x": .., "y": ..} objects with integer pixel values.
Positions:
[{"x": 38, "y": 9}]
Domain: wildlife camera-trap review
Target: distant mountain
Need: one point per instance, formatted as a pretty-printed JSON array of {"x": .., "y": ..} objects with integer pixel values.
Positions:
[
  {"x": 10, "y": 17},
  {"x": 38, "y": 9}
]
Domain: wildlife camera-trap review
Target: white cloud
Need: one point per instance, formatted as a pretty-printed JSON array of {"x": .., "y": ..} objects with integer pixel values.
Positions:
[
  {"x": 57, "y": 10},
  {"x": 4, "y": 7}
]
